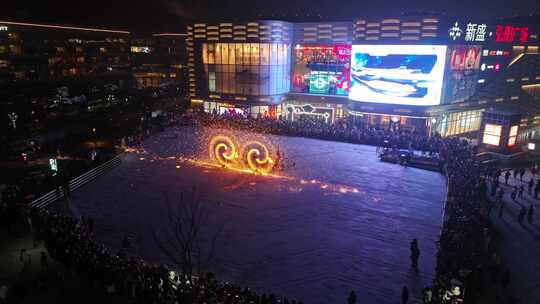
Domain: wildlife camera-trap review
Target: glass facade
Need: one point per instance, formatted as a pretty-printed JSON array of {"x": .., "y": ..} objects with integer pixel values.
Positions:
[
  {"x": 450, "y": 124},
  {"x": 247, "y": 68}
]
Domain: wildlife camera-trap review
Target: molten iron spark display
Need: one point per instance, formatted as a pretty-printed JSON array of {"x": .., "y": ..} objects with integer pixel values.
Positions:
[
  {"x": 241, "y": 152},
  {"x": 251, "y": 155}
]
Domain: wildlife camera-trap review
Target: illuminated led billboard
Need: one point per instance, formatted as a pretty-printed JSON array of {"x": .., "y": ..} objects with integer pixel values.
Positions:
[
  {"x": 397, "y": 74},
  {"x": 321, "y": 69}
]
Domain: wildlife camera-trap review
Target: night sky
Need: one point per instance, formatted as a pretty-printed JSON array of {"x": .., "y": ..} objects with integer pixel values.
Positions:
[{"x": 168, "y": 15}]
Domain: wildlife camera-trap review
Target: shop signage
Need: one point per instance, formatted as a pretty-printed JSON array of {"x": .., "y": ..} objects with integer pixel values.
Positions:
[
  {"x": 472, "y": 32},
  {"x": 53, "y": 164},
  {"x": 465, "y": 57},
  {"x": 495, "y": 53},
  {"x": 509, "y": 33}
]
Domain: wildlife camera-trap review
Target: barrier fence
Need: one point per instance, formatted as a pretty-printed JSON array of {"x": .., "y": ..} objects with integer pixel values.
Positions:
[{"x": 52, "y": 196}]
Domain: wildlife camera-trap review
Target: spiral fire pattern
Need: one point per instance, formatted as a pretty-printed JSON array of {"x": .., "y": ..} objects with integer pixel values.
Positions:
[
  {"x": 257, "y": 157},
  {"x": 223, "y": 150},
  {"x": 254, "y": 155}
]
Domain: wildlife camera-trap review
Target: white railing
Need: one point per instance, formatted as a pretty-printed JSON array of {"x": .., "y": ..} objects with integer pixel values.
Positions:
[{"x": 52, "y": 196}]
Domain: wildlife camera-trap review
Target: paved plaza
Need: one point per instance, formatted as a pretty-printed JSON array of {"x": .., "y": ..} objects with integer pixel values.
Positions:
[
  {"x": 340, "y": 220},
  {"x": 519, "y": 244}
]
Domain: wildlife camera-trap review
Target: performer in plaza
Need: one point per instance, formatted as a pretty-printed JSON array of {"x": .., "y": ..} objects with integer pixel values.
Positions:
[{"x": 278, "y": 164}]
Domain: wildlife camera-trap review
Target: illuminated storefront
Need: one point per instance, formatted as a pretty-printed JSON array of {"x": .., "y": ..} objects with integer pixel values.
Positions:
[
  {"x": 457, "y": 123},
  {"x": 492, "y": 134},
  {"x": 254, "y": 111},
  {"x": 327, "y": 112}
]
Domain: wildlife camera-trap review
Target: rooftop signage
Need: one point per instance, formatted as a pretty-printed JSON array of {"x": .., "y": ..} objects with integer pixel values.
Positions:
[{"x": 469, "y": 32}]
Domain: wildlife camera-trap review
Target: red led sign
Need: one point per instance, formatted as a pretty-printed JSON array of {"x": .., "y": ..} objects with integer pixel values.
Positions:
[{"x": 508, "y": 33}]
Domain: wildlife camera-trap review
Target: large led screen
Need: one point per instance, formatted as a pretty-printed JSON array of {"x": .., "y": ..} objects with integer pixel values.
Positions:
[
  {"x": 397, "y": 74},
  {"x": 322, "y": 69}
]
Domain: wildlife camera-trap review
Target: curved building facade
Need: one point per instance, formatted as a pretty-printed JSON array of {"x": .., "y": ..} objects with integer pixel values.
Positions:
[
  {"x": 434, "y": 74},
  {"x": 240, "y": 67}
]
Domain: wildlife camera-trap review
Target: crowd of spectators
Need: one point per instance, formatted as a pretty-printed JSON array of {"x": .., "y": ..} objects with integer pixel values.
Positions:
[
  {"x": 342, "y": 130},
  {"x": 71, "y": 242},
  {"x": 466, "y": 248}
]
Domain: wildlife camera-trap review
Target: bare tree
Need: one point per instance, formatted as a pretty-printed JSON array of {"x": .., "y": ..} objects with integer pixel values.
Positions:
[{"x": 182, "y": 241}]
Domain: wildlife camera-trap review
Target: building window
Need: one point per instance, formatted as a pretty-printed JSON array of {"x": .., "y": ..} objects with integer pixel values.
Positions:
[
  {"x": 512, "y": 135},
  {"x": 212, "y": 81},
  {"x": 15, "y": 49},
  {"x": 459, "y": 123},
  {"x": 492, "y": 134}
]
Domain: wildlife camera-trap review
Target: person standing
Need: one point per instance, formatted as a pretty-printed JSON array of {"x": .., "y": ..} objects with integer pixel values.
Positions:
[
  {"x": 501, "y": 194},
  {"x": 505, "y": 279},
  {"x": 404, "y": 295},
  {"x": 507, "y": 176},
  {"x": 44, "y": 262},
  {"x": 521, "y": 215},
  {"x": 352, "y": 298},
  {"x": 514, "y": 193},
  {"x": 531, "y": 184},
  {"x": 537, "y": 189},
  {"x": 494, "y": 186},
  {"x": 521, "y": 174},
  {"x": 415, "y": 253},
  {"x": 530, "y": 214},
  {"x": 520, "y": 193}
]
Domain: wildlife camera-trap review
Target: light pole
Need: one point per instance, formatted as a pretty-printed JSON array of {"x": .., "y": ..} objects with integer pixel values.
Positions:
[{"x": 13, "y": 117}]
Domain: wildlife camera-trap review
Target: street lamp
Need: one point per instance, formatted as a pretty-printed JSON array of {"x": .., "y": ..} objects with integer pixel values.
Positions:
[{"x": 13, "y": 117}]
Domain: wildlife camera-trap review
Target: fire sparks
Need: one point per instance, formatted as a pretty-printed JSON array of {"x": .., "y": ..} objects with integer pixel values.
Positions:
[{"x": 242, "y": 153}]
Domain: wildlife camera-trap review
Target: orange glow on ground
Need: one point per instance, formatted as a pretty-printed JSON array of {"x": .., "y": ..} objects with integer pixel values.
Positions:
[{"x": 226, "y": 154}]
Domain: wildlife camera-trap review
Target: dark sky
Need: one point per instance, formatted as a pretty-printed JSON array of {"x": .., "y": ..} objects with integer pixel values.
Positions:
[{"x": 170, "y": 15}]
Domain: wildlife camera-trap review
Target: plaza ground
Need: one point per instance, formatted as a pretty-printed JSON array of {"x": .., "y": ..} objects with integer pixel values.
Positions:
[
  {"x": 519, "y": 244},
  {"x": 339, "y": 220}
]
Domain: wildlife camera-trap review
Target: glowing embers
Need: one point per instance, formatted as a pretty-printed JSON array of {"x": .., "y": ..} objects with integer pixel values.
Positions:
[
  {"x": 223, "y": 150},
  {"x": 252, "y": 155}
]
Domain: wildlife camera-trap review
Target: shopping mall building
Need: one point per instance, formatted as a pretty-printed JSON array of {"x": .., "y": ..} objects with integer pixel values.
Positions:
[{"x": 453, "y": 76}]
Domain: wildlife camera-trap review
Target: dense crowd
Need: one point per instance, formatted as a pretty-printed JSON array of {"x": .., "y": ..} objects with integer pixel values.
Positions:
[
  {"x": 71, "y": 242},
  {"x": 341, "y": 130},
  {"x": 466, "y": 250}
]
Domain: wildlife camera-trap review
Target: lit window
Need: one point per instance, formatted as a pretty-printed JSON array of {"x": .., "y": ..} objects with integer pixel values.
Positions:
[
  {"x": 492, "y": 134},
  {"x": 512, "y": 136},
  {"x": 212, "y": 81}
]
